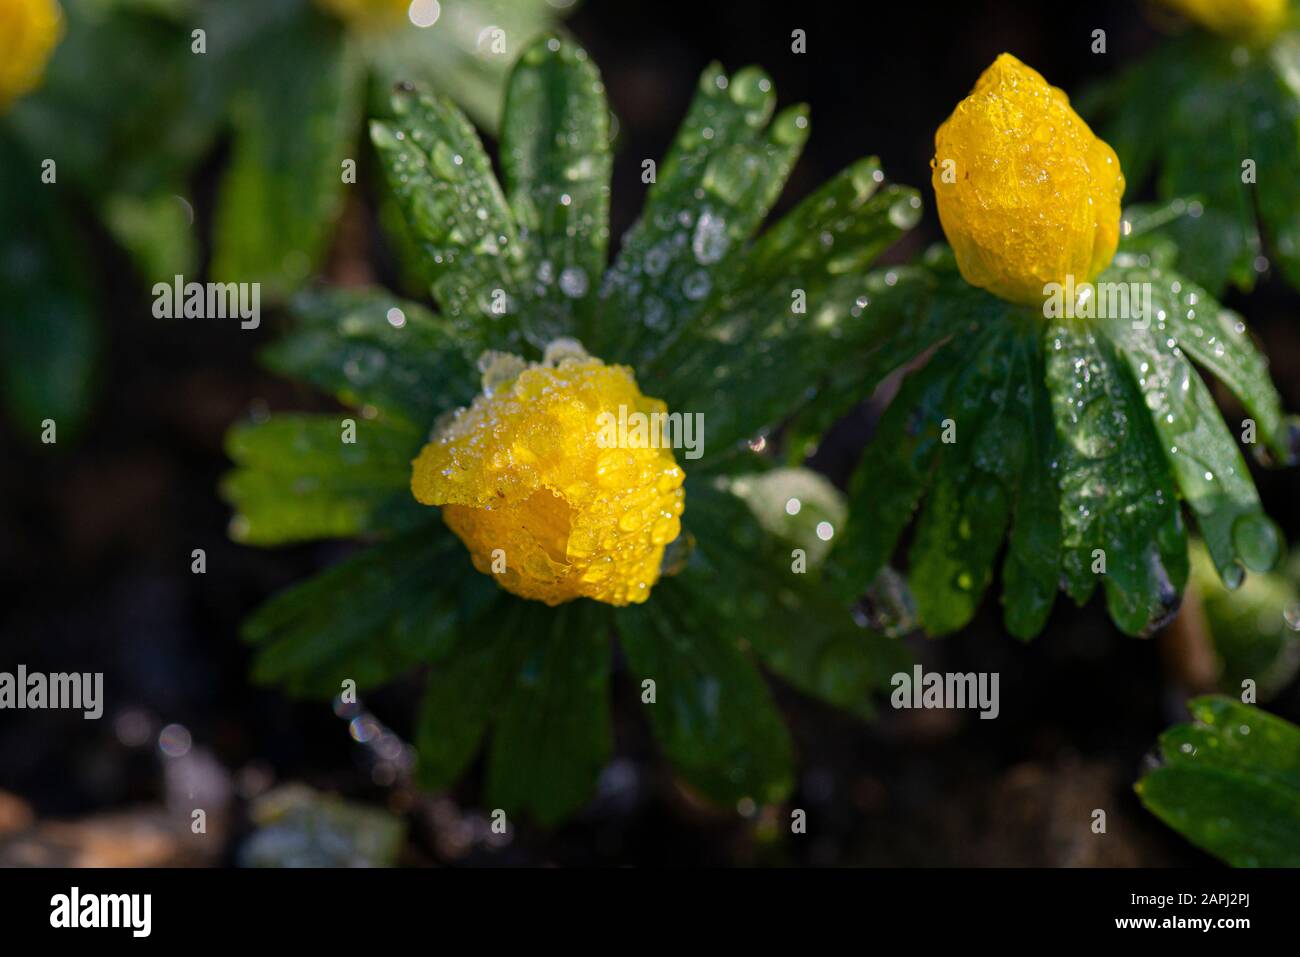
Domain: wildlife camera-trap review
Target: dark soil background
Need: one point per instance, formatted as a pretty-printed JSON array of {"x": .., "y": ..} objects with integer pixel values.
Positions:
[{"x": 96, "y": 536}]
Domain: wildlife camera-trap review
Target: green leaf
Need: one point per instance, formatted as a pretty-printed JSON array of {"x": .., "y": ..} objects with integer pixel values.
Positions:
[
  {"x": 965, "y": 517},
  {"x": 443, "y": 181},
  {"x": 555, "y": 153},
  {"x": 464, "y": 691},
  {"x": 895, "y": 471},
  {"x": 744, "y": 585},
  {"x": 1209, "y": 469},
  {"x": 116, "y": 123},
  {"x": 48, "y": 337},
  {"x": 353, "y": 345},
  {"x": 1031, "y": 568},
  {"x": 466, "y": 55},
  {"x": 722, "y": 174},
  {"x": 793, "y": 504},
  {"x": 1230, "y": 784},
  {"x": 156, "y": 230},
  {"x": 713, "y": 715},
  {"x": 1218, "y": 341},
  {"x": 1196, "y": 110},
  {"x": 1248, "y": 627},
  {"x": 1118, "y": 503},
  {"x": 370, "y": 618},
  {"x": 295, "y": 114},
  {"x": 553, "y": 736},
  {"x": 1275, "y": 145},
  {"x": 905, "y": 311},
  {"x": 1133, "y": 105},
  {"x": 296, "y": 479},
  {"x": 756, "y": 332}
]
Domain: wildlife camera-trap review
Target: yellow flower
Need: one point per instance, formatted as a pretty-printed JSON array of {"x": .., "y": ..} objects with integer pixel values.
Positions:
[
  {"x": 368, "y": 13},
  {"x": 547, "y": 492},
  {"x": 1026, "y": 193},
  {"x": 1240, "y": 19},
  {"x": 29, "y": 32}
]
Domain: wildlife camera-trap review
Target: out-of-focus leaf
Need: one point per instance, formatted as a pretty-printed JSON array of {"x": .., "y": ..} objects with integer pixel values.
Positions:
[
  {"x": 712, "y": 715},
  {"x": 1249, "y": 628},
  {"x": 369, "y": 348},
  {"x": 369, "y": 619},
  {"x": 125, "y": 131},
  {"x": 120, "y": 122},
  {"x": 48, "y": 338},
  {"x": 1196, "y": 111},
  {"x": 443, "y": 181},
  {"x": 296, "y": 479},
  {"x": 1119, "y": 509},
  {"x": 465, "y": 691},
  {"x": 793, "y": 504},
  {"x": 1230, "y": 784},
  {"x": 1133, "y": 104},
  {"x": 157, "y": 231},
  {"x": 556, "y": 157},
  {"x": 553, "y": 735},
  {"x": 467, "y": 53},
  {"x": 722, "y": 174},
  {"x": 295, "y": 112},
  {"x": 745, "y": 586},
  {"x": 1276, "y": 145}
]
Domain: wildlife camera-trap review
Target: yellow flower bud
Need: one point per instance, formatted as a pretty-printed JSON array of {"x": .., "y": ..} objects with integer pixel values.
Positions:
[
  {"x": 1026, "y": 193},
  {"x": 548, "y": 492},
  {"x": 29, "y": 32},
  {"x": 368, "y": 13},
  {"x": 1239, "y": 19}
]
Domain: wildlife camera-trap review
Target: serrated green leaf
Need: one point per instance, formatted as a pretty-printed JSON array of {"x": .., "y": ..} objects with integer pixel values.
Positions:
[
  {"x": 295, "y": 113},
  {"x": 553, "y": 736},
  {"x": 351, "y": 343},
  {"x": 1231, "y": 784},
  {"x": 1203, "y": 456},
  {"x": 1217, "y": 340},
  {"x": 895, "y": 471},
  {"x": 443, "y": 182},
  {"x": 756, "y": 332},
  {"x": 369, "y": 619},
  {"x": 746, "y": 586},
  {"x": 555, "y": 154},
  {"x": 722, "y": 174},
  {"x": 1118, "y": 503},
  {"x": 296, "y": 479},
  {"x": 1031, "y": 569},
  {"x": 712, "y": 715},
  {"x": 964, "y": 519}
]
